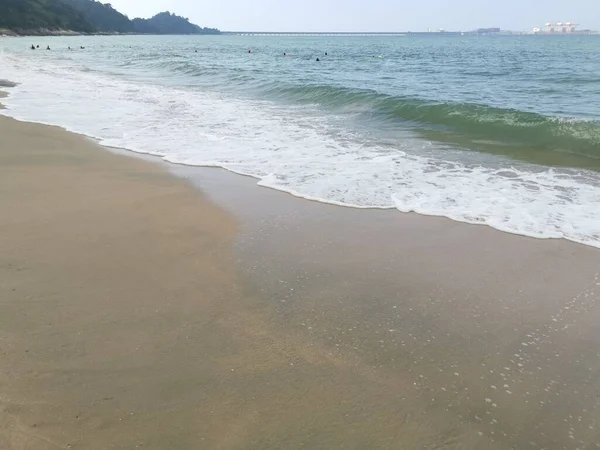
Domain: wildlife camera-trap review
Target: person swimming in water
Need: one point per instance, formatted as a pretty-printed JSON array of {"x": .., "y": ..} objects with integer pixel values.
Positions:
[
  {"x": 318, "y": 60},
  {"x": 48, "y": 48},
  {"x": 32, "y": 47}
]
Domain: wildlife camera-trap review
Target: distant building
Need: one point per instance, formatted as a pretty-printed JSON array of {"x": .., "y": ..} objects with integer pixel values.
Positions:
[
  {"x": 487, "y": 30},
  {"x": 560, "y": 27}
]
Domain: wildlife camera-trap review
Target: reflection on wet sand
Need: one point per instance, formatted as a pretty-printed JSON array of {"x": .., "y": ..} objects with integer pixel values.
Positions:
[{"x": 450, "y": 335}]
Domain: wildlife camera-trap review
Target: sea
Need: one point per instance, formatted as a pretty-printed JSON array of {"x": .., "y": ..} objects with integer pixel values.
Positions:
[{"x": 502, "y": 131}]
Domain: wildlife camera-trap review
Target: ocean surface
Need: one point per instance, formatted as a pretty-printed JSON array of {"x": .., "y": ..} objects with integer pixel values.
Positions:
[{"x": 495, "y": 130}]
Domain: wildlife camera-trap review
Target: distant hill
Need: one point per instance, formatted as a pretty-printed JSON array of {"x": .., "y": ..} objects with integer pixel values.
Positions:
[
  {"x": 102, "y": 16},
  {"x": 24, "y": 16},
  {"x": 87, "y": 16},
  {"x": 168, "y": 23}
]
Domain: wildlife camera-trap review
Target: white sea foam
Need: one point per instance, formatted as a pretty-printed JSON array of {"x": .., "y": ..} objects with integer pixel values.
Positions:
[{"x": 307, "y": 155}]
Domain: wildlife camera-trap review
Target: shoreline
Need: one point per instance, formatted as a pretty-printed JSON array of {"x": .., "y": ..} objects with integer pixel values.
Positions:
[
  {"x": 184, "y": 170},
  {"x": 544, "y": 200},
  {"x": 50, "y": 33},
  {"x": 137, "y": 310},
  {"x": 68, "y": 33},
  {"x": 161, "y": 160}
]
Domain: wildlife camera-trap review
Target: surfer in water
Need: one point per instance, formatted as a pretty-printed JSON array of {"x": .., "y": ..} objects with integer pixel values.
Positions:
[{"x": 32, "y": 47}]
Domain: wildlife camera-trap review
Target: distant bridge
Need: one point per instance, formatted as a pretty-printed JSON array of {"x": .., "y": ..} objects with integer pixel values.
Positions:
[{"x": 341, "y": 33}]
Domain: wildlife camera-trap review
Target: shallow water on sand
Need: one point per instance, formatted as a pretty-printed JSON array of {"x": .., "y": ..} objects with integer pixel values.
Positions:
[{"x": 452, "y": 337}]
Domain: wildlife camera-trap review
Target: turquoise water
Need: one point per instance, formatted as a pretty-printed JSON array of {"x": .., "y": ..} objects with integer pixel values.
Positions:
[
  {"x": 503, "y": 130},
  {"x": 540, "y": 94}
]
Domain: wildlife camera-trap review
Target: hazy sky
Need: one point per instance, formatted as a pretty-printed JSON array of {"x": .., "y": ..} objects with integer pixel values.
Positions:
[{"x": 369, "y": 15}]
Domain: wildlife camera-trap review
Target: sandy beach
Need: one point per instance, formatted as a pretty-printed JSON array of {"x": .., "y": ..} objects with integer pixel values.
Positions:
[{"x": 168, "y": 307}]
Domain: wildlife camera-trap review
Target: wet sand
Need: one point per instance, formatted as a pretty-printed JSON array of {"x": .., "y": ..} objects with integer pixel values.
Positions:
[{"x": 139, "y": 312}]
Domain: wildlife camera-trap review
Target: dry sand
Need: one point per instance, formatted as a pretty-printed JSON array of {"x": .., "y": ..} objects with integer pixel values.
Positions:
[{"x": 136, "y": 313}]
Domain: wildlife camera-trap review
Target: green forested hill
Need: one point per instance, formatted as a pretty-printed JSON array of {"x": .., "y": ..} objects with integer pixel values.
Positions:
[
  {"x": 168, "y": 23},
  {"x": 102, "y": 16},
  {"x": 87, "y": 16},
  {"x": 25, "y": 15}
]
